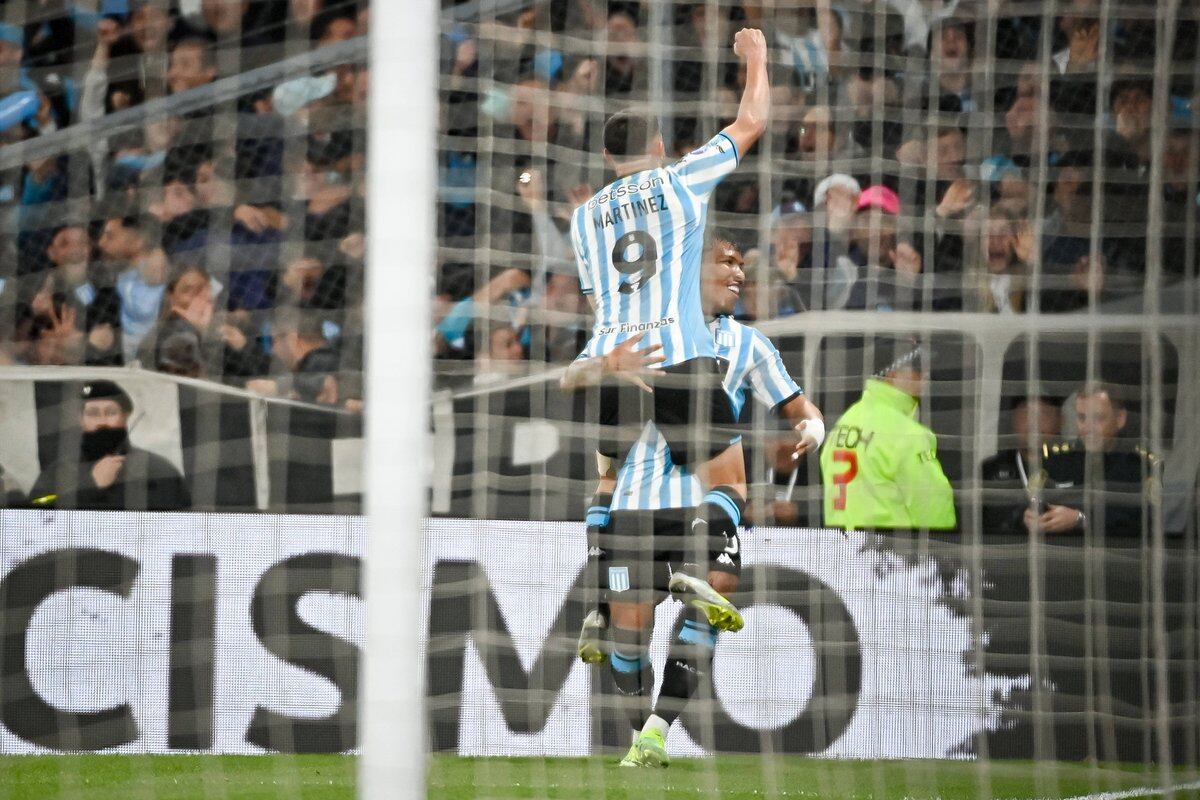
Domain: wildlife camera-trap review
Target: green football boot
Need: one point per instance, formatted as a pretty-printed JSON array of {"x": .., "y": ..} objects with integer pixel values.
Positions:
[
  {"x": 722, "y": 614},
  {"x": 591, "y": 638},
  {"x": 651, "y": 749}
]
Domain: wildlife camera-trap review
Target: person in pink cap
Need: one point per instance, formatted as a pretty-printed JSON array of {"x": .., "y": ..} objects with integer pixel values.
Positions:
[{"x": 880, "y": 197}]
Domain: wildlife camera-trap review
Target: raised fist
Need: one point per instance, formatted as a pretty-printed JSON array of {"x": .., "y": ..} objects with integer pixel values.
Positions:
[{"x": 749, "y": 44}]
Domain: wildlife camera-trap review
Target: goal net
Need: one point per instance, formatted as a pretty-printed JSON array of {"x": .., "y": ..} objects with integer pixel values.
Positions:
[{"x": 982, "y": 215}]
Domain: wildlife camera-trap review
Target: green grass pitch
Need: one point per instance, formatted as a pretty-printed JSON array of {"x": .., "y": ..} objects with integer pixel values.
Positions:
[{"x": 109, "y": 777}]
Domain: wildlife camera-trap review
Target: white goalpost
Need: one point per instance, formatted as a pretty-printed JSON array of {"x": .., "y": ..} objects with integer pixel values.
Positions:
[{"x": 401, "y": 250}]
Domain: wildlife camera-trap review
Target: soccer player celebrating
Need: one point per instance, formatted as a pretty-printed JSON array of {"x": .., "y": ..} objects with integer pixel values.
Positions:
[
  {"x": 639, "y": 532},
  {"x": 638, "y": 245}
]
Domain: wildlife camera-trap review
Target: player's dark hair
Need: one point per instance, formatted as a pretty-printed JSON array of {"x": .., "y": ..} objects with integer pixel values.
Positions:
[
  {"x": 719, "y": 234},
  {"x": 628, "y": 133}
]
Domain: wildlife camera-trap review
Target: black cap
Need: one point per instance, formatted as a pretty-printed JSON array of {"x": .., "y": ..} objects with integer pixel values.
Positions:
[{"x": 106, "y": 390}]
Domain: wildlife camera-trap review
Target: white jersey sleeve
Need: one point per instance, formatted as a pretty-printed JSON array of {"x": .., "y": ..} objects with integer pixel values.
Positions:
[
  {"x": 702, "y": 170},
  {"x": 581, "y": 253},
  {"x": 769, "y": 380}
]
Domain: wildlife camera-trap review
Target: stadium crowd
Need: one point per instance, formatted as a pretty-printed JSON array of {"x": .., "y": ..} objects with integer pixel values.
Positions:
[
  {"x": 218, "y": 236},
  {"x": 917, "y": 160}
]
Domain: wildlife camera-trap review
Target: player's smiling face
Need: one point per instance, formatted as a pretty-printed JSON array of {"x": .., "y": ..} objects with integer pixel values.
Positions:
[{"x": 723, "y": 278}]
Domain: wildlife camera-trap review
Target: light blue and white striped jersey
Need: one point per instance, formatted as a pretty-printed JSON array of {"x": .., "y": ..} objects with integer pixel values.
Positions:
[
  {"x": 639, "y": 243},
  {"x": 649, "y": 480}
]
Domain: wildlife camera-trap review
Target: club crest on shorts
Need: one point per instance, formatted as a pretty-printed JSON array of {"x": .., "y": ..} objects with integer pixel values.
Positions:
[{"x": 618, "y": 579}]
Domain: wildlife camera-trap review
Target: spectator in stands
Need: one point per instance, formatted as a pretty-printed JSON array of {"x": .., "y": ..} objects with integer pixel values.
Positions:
[
  {"x": 49, "y": 327},
  {"x": 1131, "y": 99},
  {"x": 130, "y": 244},
  {"x": 503, "y": 355},
  {"x": 149, "y": 24},
  {"x": 190, "y": 340},
  {"x": 624, "y": 69},
  {"x": 834, "y": 257},
  {"x": 332, "y": 210},
  {"x": 1081, "y": 25},
  {"x": 998, "y": 273},
  {"x": 70, "y": 254},
  {"x": 110, "y": 473},
  {"x": 1036, "y": 423},
  {"x": 1096, "y": 485},
  {"x": 313, "y": 366},
  {"x": 192, "y": 64},
  {"x": 952, "y": 56},
  {"x": 1181, "y": 211}
]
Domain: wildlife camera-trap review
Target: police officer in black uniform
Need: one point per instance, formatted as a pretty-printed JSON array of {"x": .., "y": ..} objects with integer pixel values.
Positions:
[
  {"x": 110, "y": 473},
  {"x": 1098, "y": 461},
  {"x": 1006, "y": 475}
]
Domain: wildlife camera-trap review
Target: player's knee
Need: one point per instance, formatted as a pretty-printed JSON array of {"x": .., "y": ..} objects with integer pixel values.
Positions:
[
  {"x": 724, "y": 582},
  {"x": 631, "y": 616}
]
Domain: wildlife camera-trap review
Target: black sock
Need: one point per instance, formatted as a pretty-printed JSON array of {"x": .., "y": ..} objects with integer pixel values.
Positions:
[
  {"x": 690, "y": 659},
  {"x": 598, "y": 522},
  {"x": 633, "y": 674},
  {"x": 722, "y": 509}
]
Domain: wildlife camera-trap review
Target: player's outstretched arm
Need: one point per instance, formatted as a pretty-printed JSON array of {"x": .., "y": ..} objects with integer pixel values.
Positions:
[
  {"x": 625, "y": 362},
  {"x": 751, "y": 47}
]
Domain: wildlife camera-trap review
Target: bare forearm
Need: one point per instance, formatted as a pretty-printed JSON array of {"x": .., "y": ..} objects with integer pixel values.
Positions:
[
  {"x": 755, "y": 107},
  {"x": 799, "y": 409},
  {"x": 750, "y": 45}
]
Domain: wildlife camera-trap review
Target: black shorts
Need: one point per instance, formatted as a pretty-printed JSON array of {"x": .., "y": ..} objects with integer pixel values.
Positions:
[
  {"x": 634, "y": 557},
  {"x": 689, "y": 406}
]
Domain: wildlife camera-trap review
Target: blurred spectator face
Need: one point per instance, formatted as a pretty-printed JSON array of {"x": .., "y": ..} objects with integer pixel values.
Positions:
[
  {"x": 177, "y": 200},
  {"x": 223, "y": 16},
  {"x": 119, "y": 243},
  {"x": 1083, "y": 34},
  {"x": 951, "y": 154},
  {"x": 562, "y": 294},
  {"x": 303, "y": 11},
  {"x": 867, "y": 93},
  {"x": 791, "y": 241},
  {"x": 1021, "y": 119},
  {"x": 1046, "y": 416},
  {"x": 622, "y": 31},
  {"x": 148, "y": 26},
  {"x": 841, "y": 204},
  {"x": 102, "y": 413},
  {"x": 531, "y": 111},
  {"x": 69, "y": 246},
  {"x": 722, "y": 278},
  {"x": 1099, "y": 421},
  {"x": 1131, "y": 111},
  {"x": 956, "y": 48},
  {"x": 505, "y": 346},
  {"x": 877, "y": 236},
  {"x": 187, "y": 287},
  {"x": 302, "y": 277},
  {"x": 1000, "y": 244},
  {"x": 817, "y": 137},
  {"x": 339, "y": 30},
  {"x": 10, "y": 54},
  {"x": 1073, "y": 203},
  {"x": 211, "y": 190},
  {"x": 1177, "y": 160},
  {"x": 189, "y": 67}
]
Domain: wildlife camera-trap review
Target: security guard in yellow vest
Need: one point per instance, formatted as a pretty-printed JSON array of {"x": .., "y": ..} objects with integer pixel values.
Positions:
[{"x": 879, "y": 465}]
